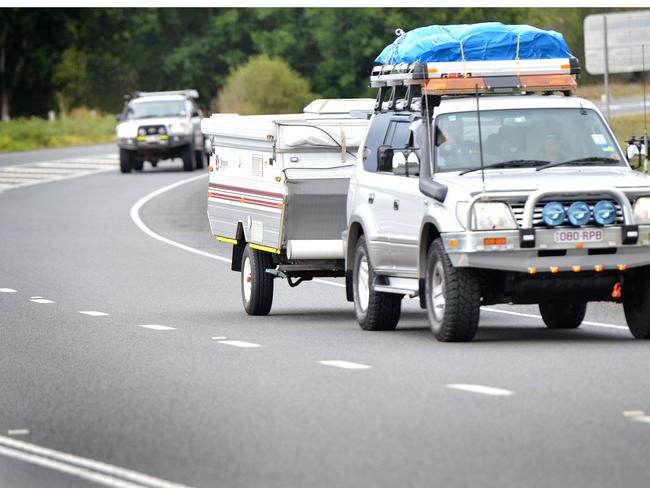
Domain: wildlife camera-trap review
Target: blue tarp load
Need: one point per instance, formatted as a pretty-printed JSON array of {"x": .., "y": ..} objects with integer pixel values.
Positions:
[{"x": 489, "y": 41}]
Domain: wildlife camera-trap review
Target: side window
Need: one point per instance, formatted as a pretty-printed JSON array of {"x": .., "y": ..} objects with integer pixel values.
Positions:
[
  {"x": 397, "y": 135},
  {"x": 376, "y": 135}
]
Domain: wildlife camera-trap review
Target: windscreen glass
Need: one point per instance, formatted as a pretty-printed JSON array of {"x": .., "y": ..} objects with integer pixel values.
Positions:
[
  {"x": 158, "y": 108},
  {"x": 523, "y": 138}
]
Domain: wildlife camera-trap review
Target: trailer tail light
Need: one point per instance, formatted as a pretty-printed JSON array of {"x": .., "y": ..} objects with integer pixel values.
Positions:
[
  {"x": 532, "y": 271},
  {"x": 554, "y": 269},
  {"x": 622, "y": 267},
  {"x": 495, "y": 241},
  {"x": 576, "y": 269},
  {"x": 598, "y": 268}
]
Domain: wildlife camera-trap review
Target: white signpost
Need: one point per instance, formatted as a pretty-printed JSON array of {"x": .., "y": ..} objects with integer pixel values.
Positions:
[{"x": 617, "y": 43}]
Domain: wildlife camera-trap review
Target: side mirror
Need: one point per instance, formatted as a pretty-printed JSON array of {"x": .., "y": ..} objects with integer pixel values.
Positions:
[
  {"x": 118, "y": 117},
  {"x": 632, "y": 151},
  {"x": 413, "y": 164},
  {"x": 385, "y": 158},
  {"x": 399, "y": 163}
]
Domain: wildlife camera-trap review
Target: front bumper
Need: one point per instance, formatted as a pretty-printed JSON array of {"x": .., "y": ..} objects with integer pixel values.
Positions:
[
  {"x": 154, "y": 143},
  {"x": 510, "y": 250}
]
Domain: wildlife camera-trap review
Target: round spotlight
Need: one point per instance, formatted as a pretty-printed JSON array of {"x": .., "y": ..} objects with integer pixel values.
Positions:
[
  {"x": 161, "y": 130},
  {"x": 604, "y": 212},
  {"x": 579, "y": 213},
  {"x": 553, "y": 214},
  {"x": 142, "y": 132}
]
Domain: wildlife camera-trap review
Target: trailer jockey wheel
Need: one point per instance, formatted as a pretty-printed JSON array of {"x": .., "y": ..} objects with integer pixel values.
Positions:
[{"x": 256, "y": 283}]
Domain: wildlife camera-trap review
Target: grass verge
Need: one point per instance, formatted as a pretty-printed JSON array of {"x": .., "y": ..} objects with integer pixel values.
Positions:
[{"x": 24, "y": 134}]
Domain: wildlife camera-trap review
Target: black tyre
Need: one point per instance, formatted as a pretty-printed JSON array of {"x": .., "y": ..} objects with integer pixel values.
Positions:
[
  {"x": 126, "y": 161},
  {"x": 636, "y": 303},
  {"x": 453, "y": 297},
  {"x": 374, "y": 310},
  {"x": 256, "y": 283},
  {"x": 187, "y": 155},
  {"x": 138, "y": 164},
  {"x": 563, "y": 315},
  {"x": 198, "y": 156}
]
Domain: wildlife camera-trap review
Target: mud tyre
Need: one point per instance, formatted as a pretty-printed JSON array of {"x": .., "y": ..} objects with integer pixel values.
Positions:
[
  {"x": 636, "y": 302},
  {"x": 187, "y": 155},
  {"x": 126, "y": 161},
  {"x": 256, "y": 283}
]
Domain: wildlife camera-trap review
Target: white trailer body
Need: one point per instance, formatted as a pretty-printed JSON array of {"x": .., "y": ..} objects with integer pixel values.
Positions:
[{"x": 278, "y": 184}]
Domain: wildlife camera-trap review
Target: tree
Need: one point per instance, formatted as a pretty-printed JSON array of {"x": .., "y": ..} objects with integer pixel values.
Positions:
[{"x": 264, "y": 85}]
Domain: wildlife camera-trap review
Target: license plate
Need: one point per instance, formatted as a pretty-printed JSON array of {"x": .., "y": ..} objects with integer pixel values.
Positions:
[
  {"x": 155, "y": 138},
  {"x": 578, "y": 235}
]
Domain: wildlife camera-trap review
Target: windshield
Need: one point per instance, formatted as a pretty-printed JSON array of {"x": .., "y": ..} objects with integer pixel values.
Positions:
[
  {"x": 523, "y": 138},
  {"x": 158, "y": 108}
]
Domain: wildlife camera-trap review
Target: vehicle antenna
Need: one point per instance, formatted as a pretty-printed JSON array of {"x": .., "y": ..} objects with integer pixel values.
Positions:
[
  {"x": 645, "y": 110},
  {"x": 480, "y": 138}
]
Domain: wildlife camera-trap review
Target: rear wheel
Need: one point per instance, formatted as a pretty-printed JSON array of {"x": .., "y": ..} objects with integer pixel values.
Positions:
[
  {"x": 453, "y": 297},
  {"x": 187, "y": 155},
  {"x": 636, "y": 303},
  {"x": 256, "y": 283},
  {"x": 126, "y": 161},
  {"x": 563, "y": 315},
  {"x": 374, "y": 310}
]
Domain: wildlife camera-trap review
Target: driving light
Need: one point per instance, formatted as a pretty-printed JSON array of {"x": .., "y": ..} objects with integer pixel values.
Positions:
[
  {"x": 553, "y": 214},
  {"x": 642, "y": 211},
  {"x": 492, "y": 216},
  {"x": 579, "y": 213},
  {"x": 142, "y": 131},
  {"x": 604, "y": 212}
]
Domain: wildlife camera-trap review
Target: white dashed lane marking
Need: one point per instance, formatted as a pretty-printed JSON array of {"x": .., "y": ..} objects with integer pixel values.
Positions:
[
  {"x": 240, "y": 344},
  {"x": 94, "y": 313},
  {"x": 7, "y": 290},
  {"x": 483, "y": 390},
  {"x": 219, "y": 338},
  {"x": 157, "y": 327},
  {"x": 345, "y": 364},
  {"x": 41, "y": 300},
  {"x": 18, "y": 432}
]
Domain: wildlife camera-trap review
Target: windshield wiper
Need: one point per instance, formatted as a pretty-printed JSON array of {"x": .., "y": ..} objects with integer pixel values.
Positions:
[
  {"x": 592, "y": 159},
  {"x": 514, "y": 163}
]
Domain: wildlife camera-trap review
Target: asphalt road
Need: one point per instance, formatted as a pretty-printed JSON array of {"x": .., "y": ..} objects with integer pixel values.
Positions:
[{"x": 157, "y": 387}]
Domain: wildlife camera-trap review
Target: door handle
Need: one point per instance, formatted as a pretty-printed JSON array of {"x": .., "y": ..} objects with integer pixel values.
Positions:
[
  {"x": 395, "y": 204},
  {"x": 371, "y": 198}
]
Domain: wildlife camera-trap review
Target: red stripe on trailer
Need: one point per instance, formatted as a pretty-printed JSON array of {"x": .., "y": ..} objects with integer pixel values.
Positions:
[
  {"x": 250, "y": 201},
  {"x": 246, "y": 190}
]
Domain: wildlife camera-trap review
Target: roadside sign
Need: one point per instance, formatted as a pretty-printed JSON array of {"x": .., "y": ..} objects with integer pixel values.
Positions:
[{"x": 626, "y": 33}]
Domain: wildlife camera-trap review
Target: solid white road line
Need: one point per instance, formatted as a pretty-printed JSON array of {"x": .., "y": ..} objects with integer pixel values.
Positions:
[
  {"x": 94, "y": 313},
  {"x": 41, "y": 300},
  {"x": 7, "y": 290},
  {"x": 157, "y": 327},
  {"x": 483, "y": 390},
  {"x": 135, "y": 216},
  {"x": 642, "y": 418},
  {"x": 539, "y": 317},
  {"x": 344, "y": 364},
  {"x": 78, "y": 466},
  {"x": 240, "y": 344}
]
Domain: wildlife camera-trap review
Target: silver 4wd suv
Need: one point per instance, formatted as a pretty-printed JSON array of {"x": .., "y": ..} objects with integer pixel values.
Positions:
[
  {"x": 160, "y": 125},
  {"x": 526, "y": 199}
]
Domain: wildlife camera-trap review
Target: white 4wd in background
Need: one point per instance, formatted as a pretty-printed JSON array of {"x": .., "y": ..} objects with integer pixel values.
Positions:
[{"x": 160, "y": 125}]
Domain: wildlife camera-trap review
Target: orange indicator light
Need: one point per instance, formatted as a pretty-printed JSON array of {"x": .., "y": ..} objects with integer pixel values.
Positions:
[
  {"x": 580, "y": 245},
  {"x": 278, "y": 179},
  {"x": 532, "y": 271},
  {"x": 495, "y": 241},
  {"x": 554, "y": 269},
  {"x": 622, "y": 267},
  {"x": 453, "y": 243},
  {"x": 210, "y": 169},
  {"x": 576, "y": 269},
  {"x": 598, "y": 268}
]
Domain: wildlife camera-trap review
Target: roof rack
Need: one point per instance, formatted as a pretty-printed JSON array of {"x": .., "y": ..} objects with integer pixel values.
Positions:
[
  {"x": 456, "y": 78},
  {"x": 185, "y": 93}
]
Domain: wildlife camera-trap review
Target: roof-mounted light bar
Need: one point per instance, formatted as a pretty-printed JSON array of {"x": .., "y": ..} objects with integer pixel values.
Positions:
[
  {"x": 185, "y": 93},
  {"x": 499, "y": 84}
]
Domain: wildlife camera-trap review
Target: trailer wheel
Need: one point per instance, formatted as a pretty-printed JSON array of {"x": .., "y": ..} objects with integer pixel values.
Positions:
[
  {"x": 636, "y": 303},
  {"x": 563, "y": 315},
  {"x": 126, "y": 161},
  {"x": 198, "y": 156},
  {"x": 256, "y": 283},
  {"x": 374, "y": 310},
  {"x": 453, "y": 297},
  {"x": 187, "y": 155}
]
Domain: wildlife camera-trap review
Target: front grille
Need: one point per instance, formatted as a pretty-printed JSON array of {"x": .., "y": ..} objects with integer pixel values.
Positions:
[{"x": 518, "y": 210}]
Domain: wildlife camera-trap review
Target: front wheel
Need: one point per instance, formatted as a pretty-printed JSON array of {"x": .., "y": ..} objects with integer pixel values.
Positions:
[
  {"x": 453, "y": 297},
  {"x": 256, "y": 283},
  {"x": 126, "y": 161},
  {"x": 636, "y": 303},
  {"x": 374, "y": 310},
  {"x": 563, "y": 315},
  {"x": 187, "y": 155}
]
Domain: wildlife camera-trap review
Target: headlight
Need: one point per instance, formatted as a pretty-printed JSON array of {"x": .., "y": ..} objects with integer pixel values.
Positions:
[
  {"x": 604, "y": 213},
  {"x": 579, "y": 213},
  {"x": 493, "y": 216},
  {"x": 553, "y": 214},
  {"x": 180, "y": 129},
  {"x": 142, "y": 132},
  {"x": 125, "y": 131},
  {"x": 642, "y": 211}
]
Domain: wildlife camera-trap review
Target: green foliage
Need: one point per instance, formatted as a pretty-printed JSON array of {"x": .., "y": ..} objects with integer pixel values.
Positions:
[
  {"x": 24, "y": 134},
  {"x": 264, "y": 85}
]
